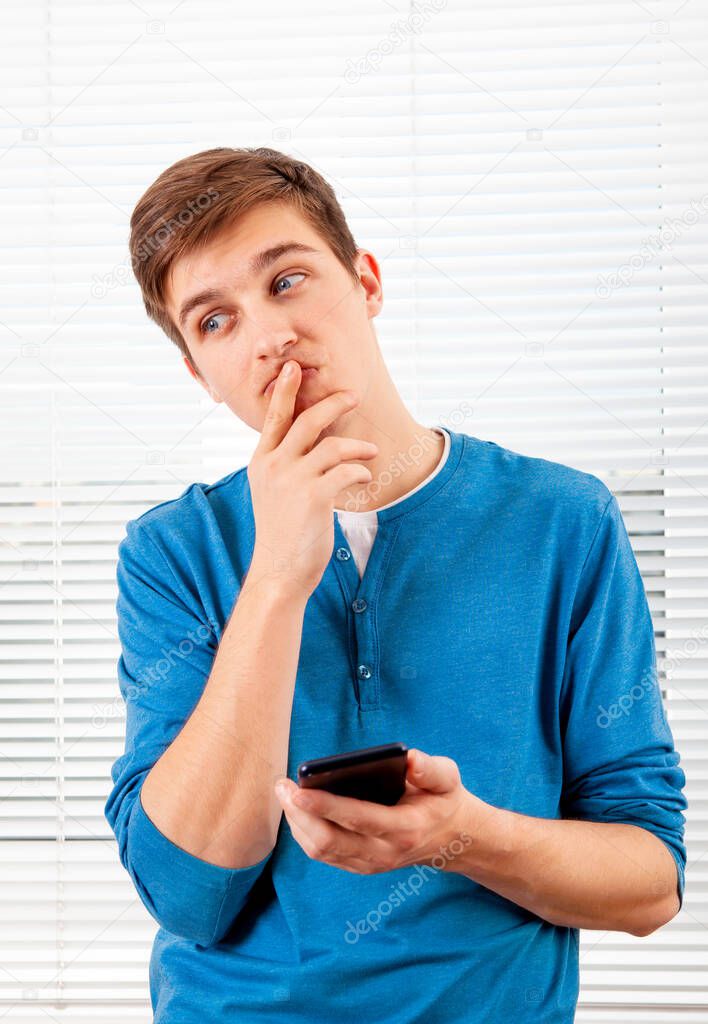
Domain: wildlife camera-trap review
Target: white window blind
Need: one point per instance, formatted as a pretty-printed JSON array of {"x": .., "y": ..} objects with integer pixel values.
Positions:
[{"x": 532, "y": 180}]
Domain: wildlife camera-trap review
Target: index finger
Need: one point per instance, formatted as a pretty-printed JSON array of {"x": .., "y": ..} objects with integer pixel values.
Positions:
[
  {"x": 363, "y": 816},
  {"x": 279, "y": 415},
  {"x": 299, "y": 436}
]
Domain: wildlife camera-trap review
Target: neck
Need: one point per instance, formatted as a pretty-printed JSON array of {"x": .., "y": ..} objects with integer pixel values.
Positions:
[{"x": 408, "y": 450}]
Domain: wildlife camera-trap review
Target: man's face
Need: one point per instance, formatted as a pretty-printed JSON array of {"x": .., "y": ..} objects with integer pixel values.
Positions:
[{"x": 302, "y": 306}]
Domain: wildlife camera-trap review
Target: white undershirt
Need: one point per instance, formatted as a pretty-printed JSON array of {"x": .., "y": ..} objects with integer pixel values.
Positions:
[{"x": 360, "y": 527}]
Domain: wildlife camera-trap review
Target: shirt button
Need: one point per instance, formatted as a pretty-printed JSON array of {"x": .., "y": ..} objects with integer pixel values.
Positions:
[
  {"x": 364, "y": 671},
  {"x": 359, "y": 604},
  {"x": 343, "y": 554}
]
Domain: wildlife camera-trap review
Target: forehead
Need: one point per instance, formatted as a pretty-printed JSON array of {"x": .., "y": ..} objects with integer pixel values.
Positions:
[{"x": 226, "y": 256}]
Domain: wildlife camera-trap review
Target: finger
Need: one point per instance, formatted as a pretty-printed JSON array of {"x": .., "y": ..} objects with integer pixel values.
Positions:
[
  {"x": 306, "y": 819},
  {"x": 333, "y": 451},
  {"x": 434, "y": 774},
  {"x": 362, "y": 816},
  {"x": 307, "y": 428},
  {"x": 411, "y": 790},
  {"x": 356, "y": 855},
  {"x": 317, "y": 834},
  {"x": 279, "y": 415}
]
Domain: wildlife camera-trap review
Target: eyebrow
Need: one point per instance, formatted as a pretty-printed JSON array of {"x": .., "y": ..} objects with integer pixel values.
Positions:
[{"x": 260, "y": 262}]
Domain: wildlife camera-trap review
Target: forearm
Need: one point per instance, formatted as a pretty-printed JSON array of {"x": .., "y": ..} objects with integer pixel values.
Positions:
[
  {"x": 211, "y": 791},
  {"x": 579, "y": 874}
]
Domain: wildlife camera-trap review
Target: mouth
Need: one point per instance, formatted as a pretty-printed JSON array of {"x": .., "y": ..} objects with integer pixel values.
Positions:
[{"x": 307, "y": 373}]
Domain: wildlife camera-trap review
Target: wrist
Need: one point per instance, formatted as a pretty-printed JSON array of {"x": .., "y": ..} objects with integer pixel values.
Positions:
[
  {"x": 274, "y": 583},
  {"x": 487, "y": 832}
]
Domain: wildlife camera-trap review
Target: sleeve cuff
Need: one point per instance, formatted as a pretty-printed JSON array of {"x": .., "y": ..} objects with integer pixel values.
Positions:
[
  {"x": 186, "y": 895},
  {"x": 681, "y": 877}
]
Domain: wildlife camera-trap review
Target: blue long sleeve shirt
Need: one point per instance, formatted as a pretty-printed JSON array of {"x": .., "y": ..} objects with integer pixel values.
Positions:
[{"x": 501, "y": 621}]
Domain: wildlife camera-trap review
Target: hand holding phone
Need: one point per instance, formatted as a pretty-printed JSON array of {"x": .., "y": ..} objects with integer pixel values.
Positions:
[{"x": 377, "y": 774}]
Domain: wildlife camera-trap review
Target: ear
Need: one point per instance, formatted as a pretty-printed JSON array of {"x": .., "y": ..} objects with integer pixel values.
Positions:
[
  {"x": 370, "y": 280},
  {"x": 198, "y": 377}
]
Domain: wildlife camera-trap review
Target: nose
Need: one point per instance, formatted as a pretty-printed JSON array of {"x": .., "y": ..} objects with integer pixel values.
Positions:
[
  {"x": 273, "y": 339},
  {"x": 268, "y": 329},
  {"x": 270, "y": 350}
]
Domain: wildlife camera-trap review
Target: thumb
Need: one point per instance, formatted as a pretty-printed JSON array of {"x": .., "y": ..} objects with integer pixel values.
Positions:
[{"x": 436, "y": 774}]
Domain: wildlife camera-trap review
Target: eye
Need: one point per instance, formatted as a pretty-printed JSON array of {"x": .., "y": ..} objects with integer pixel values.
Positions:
[
  {"x": 204, "y": 327},
  {"x": 287, "y": 277}
]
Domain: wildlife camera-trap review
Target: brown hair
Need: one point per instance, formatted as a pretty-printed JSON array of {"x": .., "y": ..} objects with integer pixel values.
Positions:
[{"x": 197, "y": 197}]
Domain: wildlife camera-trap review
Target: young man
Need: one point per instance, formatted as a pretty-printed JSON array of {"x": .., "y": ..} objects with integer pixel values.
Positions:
[{"x": 367, "y": 579}]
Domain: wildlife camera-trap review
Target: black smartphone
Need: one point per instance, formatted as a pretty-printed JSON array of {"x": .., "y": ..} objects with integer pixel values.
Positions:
[{"x": 377, "y": 774}]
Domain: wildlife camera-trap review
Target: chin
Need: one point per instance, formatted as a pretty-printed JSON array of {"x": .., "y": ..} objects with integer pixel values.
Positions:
[{"x": 307, "y": 394}]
